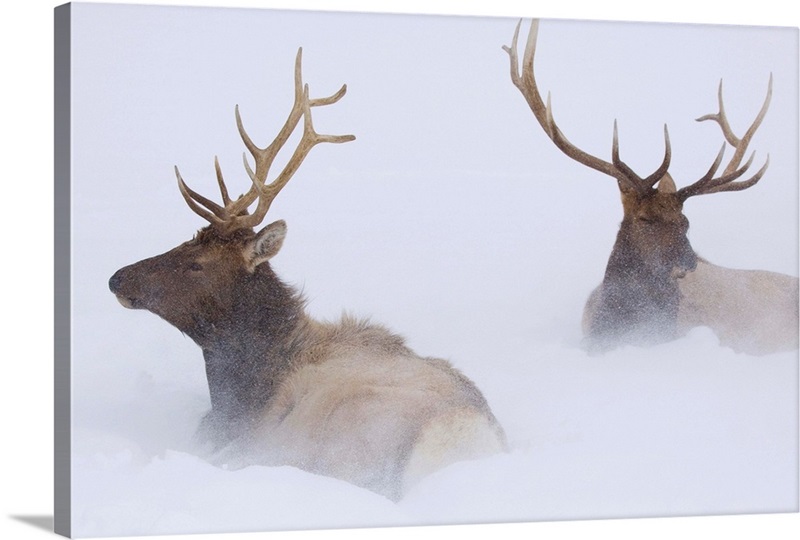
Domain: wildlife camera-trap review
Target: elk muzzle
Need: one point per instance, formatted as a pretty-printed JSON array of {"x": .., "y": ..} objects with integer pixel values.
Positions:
[
  {"x": 686, "y": 261},
  {"x": 115, "y": 284}
]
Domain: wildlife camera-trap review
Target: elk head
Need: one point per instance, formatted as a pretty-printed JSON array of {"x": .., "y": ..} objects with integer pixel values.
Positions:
[
  {"x": 199, "y": 285},
  {"x": 652, "y": 248}
]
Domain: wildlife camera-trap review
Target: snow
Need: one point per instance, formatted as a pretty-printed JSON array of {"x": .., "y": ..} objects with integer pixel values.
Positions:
[
  {"x": 452, "y": 220},
  {"x": 695, "y": 431}
]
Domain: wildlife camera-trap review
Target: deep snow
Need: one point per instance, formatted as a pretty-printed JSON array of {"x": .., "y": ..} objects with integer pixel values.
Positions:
[
  {"x": 695, "y": 431},
  {"x": 455, "y": 222}
]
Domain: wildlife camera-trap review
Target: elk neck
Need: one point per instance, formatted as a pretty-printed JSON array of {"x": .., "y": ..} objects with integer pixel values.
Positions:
[
  {"x": 639, "y": 300},
  {"x": 649, "y": 283},
  {"x": 249, "y": 351}
]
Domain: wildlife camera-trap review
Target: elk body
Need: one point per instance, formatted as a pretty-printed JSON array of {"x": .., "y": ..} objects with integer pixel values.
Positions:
[
  {"x": 655, "y": 287},
  {"x": 349, "y": 399},
  {"x": 753, "y": 311}
]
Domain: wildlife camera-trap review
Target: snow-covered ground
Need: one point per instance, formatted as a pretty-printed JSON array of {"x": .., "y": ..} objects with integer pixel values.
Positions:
[
  {"x": 682, "y": 429},
  {"x": 452, "y": 220}
]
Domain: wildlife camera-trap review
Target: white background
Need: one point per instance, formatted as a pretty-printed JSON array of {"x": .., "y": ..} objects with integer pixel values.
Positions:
[{"x": 29, "y": 379}]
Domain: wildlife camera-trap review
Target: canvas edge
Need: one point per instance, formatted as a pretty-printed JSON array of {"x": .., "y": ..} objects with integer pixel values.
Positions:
[
  {"x": 62, "y": 263},
  {"x": 62, "y": 259}
]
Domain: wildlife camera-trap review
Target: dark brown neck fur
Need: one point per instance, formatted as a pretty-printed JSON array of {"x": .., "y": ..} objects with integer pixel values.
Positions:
[
  {"x": 639, "y": 303},
  {"x": 249, "y": 352}
]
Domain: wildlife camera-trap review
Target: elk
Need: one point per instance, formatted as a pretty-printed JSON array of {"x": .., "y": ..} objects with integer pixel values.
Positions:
[
  {"x": 655, "y": 287},
  {"x": 348, "y": 399}
]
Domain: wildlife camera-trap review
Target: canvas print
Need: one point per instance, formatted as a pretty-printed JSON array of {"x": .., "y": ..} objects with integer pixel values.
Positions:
[{"x": 325, "y": 270}]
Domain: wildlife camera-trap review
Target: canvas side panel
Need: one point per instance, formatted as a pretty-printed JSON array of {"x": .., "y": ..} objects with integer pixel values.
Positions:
[{"x": 62, "y": 503}]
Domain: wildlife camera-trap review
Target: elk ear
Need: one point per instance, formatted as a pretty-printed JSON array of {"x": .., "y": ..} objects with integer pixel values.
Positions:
[
  {"x": 666, "y": 184},
  {"x": 266, "y": 244}
]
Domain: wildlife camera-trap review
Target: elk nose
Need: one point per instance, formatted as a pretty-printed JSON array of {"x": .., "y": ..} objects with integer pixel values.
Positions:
[{"x": 115, "y": 281}]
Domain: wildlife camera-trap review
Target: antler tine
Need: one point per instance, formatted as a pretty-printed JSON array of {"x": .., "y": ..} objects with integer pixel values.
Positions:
[
  {"x": 721, "y": 118},
  {"x": 526, "y": 83},
  {"x": 192, "y": 198},
  {"x": 234, "y": 214},
  {"x": 698, "y": 186},
  {"x": 659, "y": 173},
  {"x": 265, "y": 157},
  {"x": 729, "y": 185},
  {"x": 732, "y": 171},
  {"x": 309, "y": 139},
  {"x": 629, "y": 177},
  {"x": 726, "y": 182},
  {"x": 226, "y": 200},
  {"x": 627, "y": 173},
  {"x": 512, "y": 53}
]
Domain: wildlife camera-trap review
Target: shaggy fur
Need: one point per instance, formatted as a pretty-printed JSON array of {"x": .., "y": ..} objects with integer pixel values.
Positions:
[
  {"x": 751, "y": 311},
  {"x": 638, "y": 299},
  {"x": 348, "y": 400}
]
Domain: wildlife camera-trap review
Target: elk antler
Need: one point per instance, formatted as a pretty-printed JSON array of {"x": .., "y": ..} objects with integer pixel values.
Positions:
[
  {"x": 233, "y": 214},
  {"x": 726, "y": 182},
  {"x": 526, "y": 83}
]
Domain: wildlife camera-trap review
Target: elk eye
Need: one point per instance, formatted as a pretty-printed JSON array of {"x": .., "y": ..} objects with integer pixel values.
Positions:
[{"x": 195, "y": 267}]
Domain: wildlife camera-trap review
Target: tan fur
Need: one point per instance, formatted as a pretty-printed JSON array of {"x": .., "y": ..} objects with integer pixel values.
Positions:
[
  {"x": 363, "y": 408},
  {"x": 750, "y": 311},
  {"x": 451, "y": 437}
]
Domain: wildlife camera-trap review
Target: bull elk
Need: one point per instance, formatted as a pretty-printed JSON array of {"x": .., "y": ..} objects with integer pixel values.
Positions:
[
  {"x": 655, "y": 286},
  {"x": 348, "y": 400}
]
